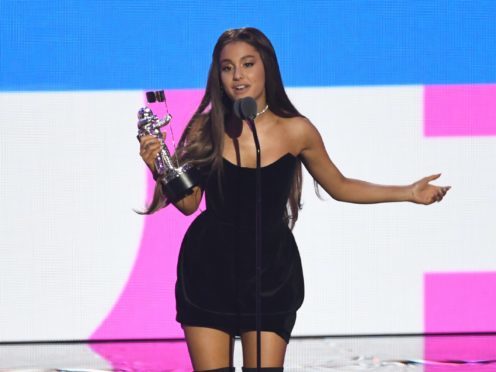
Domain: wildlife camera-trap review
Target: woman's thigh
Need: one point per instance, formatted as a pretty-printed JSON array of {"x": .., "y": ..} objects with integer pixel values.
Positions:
[
  {"x": 209, "y": 348},
  {"x": 273, "y": 349}
]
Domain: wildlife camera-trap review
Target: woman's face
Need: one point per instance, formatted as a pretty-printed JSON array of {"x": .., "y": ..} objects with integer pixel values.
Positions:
[{"x": 242, "y": 72}]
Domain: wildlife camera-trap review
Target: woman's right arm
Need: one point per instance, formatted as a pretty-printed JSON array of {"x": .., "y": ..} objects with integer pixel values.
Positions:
[{"x": 149, "y": 148}]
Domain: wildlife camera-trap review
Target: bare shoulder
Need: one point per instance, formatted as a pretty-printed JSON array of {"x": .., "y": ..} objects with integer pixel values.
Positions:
[
  {"x": 300, "y": 132},
  {"x": 298, "y": 125}
]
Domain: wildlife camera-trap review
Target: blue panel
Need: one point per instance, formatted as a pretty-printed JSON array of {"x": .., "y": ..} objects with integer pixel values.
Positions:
[{"x": 128, "y": 44}]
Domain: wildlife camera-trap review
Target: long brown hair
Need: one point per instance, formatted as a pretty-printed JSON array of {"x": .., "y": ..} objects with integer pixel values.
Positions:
[{"x": 203, "y": 139}]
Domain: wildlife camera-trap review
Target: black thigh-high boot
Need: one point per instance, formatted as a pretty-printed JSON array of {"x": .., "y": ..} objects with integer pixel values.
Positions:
[
  {"x": 225, "y": 369},
  {"x": 266, "y": 369}
]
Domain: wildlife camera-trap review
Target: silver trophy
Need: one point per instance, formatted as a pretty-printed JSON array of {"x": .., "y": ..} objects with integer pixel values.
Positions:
[{"x": 176, "y": 181}]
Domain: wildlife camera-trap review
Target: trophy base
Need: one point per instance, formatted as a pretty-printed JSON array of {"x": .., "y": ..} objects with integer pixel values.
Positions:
[{"x": 181, "y": 184}]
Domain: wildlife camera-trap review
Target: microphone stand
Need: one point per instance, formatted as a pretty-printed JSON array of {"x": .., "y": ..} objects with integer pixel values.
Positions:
[
  {"x": 246, "y": 109},
  {"x": 258, "y": 242}
]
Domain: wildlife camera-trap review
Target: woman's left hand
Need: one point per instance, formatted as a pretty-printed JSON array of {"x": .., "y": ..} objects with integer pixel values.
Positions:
[{"x": 425, "y": 193}]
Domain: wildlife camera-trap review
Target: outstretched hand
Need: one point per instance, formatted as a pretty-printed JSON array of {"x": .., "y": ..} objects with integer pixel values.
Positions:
[{"x": 425, "y": 193}]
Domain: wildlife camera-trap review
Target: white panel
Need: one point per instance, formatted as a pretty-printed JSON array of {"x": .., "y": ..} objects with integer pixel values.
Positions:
[
  {"x": 70, "y": 176},
  {"x": 364, "y": 264}
]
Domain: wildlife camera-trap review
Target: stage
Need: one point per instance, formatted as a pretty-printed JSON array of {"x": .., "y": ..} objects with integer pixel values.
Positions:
[{"x": 441, "y": 353}]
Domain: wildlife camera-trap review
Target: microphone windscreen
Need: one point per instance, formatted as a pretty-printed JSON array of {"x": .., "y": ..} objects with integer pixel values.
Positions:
[
  {"x": 245, "y": 108},
  {"x": 249, "y": 108}
]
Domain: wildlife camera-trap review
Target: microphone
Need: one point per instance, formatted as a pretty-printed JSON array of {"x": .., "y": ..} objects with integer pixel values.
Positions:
[{"x": 245, "y": 108}]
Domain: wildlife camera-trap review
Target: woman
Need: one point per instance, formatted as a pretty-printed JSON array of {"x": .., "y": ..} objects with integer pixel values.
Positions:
[{"x": 215, "y": 290}]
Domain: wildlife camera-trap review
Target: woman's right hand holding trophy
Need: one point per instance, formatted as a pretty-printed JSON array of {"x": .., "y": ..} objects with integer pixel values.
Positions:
[
  {"x": 176, "y": 181},
  {"x": 150, "y": 147}
]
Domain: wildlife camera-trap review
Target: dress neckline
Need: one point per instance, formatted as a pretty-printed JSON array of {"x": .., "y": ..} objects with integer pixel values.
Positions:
[{"x": 288, "y": 154}]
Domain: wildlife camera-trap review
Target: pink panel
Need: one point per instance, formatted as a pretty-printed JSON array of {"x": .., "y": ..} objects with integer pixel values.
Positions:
[
  {"x": 459, "y": 302},
  {"x": 146, "y": 356},
  {"x": 146, "y": 306},
  {"x": 460, "y": 110}
]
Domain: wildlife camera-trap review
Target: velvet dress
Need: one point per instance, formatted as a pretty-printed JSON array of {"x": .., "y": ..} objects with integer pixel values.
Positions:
[{"x": 216, "y": 267}]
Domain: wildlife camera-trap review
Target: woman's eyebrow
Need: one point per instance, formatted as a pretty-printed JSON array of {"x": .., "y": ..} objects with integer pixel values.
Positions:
[{"x": 244, "y": 57}]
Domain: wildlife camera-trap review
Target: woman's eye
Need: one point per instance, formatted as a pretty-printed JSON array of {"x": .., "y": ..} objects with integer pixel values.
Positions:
[
  {"x": 226, "y": 68},
  {"x": 249, "y": 64}
]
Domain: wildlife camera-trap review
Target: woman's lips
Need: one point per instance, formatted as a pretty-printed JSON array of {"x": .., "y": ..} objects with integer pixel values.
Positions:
[{"x": 240, "y": 89}]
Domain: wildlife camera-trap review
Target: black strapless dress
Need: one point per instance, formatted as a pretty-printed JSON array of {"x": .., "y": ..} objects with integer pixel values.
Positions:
[{"x": 216, "y": 268}]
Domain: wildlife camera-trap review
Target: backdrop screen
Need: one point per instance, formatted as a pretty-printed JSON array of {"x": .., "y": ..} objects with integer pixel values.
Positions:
[{"x": 398, "y": 90}]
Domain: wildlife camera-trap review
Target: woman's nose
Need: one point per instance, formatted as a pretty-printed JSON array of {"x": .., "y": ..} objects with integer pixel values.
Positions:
[{"x": 237, "y": 74}]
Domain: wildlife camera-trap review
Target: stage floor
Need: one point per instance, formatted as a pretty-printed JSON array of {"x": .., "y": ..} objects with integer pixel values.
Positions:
[{"x": 384, "y": 353}]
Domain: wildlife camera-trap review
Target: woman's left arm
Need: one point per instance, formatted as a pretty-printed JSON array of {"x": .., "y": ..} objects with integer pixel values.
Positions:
[{"x": 317, "y": 161}]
